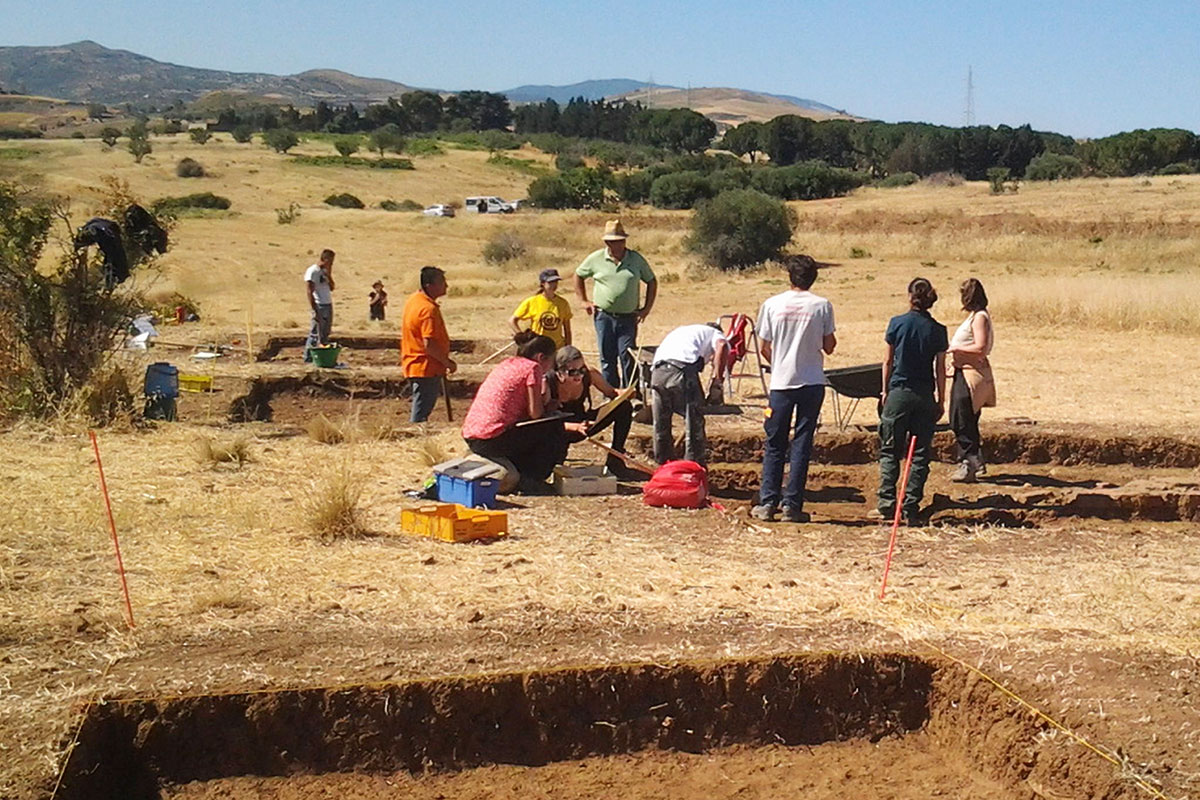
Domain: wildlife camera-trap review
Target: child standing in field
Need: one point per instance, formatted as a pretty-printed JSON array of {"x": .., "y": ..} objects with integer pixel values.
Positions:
[
  {"x": 378, "y": 301},
  {"x": 914, "y": 393},
  {"x": 546, "y": 312}
]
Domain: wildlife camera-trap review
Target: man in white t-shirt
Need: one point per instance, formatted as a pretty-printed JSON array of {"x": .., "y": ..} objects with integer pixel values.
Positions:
[
  {"x": 675, "y": 386},
  {"x": 318, "y": 283},
  {"x": 796, "y": 329}
]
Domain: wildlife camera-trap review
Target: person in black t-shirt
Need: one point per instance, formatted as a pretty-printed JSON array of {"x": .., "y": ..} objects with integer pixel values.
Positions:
[{"x": 913, "y": 400}]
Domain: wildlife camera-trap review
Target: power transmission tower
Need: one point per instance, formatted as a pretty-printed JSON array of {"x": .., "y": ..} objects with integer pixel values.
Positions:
[{"x": 969, "y": 112}]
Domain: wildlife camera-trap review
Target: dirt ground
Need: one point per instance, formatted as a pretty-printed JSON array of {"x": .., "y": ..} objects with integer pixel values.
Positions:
[{"x": 1069, "y": 575}]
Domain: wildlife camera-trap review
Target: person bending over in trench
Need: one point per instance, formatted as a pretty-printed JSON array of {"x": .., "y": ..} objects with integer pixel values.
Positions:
[
  {"x": 571, "y": 387},
  {"x": 514, "y": 392}
]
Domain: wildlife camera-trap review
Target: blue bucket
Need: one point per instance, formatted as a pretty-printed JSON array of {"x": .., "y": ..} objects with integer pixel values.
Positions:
[{"x": 162, "y": 380}]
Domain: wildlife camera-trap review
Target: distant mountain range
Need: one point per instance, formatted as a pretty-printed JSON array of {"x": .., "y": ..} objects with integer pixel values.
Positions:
[{"x": 89, "y": 72}]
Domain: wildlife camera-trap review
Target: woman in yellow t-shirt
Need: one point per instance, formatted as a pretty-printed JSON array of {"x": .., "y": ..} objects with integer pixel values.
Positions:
[{"x": 546, "y": 312}]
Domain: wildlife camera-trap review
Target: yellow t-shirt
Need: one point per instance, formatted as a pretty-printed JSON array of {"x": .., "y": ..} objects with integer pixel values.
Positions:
[{"x": 545, "y": 316}]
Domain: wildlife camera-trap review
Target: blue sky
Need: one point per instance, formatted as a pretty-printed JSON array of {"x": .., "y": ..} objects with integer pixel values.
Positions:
[{"x": 1082, "y": 68}]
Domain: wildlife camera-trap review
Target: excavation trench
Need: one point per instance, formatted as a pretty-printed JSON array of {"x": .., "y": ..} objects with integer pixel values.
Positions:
[
  {"x": 297, "y": 399},
  {"x": 931, "y": 717}
]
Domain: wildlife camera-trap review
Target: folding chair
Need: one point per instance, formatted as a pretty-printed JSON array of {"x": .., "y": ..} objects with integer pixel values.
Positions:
[{"x": 743, "y": 340}]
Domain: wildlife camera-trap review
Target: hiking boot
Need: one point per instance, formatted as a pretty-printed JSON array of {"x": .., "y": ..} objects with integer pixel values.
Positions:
[
  {"x": 976, "y": 462},
  {"x": 765, "y": 513},
  {"x": 914, "y": 519},
  {"x": 965, "y": 472},
  {"x": 795, "y": 515}
]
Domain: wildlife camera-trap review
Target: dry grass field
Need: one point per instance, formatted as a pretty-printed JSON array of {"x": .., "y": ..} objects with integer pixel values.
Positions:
[{"x": 1090, "y": 616}]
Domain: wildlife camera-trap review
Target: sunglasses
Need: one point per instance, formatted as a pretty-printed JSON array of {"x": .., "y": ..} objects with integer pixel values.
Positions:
[{"x": 576, "y": 373}]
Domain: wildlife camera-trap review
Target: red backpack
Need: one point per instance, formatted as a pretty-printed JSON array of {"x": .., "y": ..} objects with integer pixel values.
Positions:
[{"x": 677, "y": 484}]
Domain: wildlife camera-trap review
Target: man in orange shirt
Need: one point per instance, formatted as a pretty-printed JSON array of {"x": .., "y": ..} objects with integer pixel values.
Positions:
[{"x": 424, "y": 343}]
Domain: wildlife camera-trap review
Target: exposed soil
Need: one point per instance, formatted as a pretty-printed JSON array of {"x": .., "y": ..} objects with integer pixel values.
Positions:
[
  {"x": 367, "y": 349},
  {"x": 972, "y": 740}
]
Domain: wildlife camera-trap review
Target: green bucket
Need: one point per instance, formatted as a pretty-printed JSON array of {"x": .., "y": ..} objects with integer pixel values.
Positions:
[{"x": 325, "y": 356}]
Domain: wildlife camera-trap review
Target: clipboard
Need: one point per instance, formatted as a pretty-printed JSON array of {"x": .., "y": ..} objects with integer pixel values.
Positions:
[{"x": 623, "y": 396}]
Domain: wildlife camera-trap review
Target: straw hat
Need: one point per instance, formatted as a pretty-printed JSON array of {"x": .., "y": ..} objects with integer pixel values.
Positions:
[{"x": 614, "y": 231}]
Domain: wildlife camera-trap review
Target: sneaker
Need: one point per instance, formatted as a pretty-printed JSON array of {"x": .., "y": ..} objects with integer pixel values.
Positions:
[
  {"x": 764, "y": 512},
  {"x": 885, "y": 515},
  {"x": 914, "y": 519},
  {"x": 795, "y": 515},
  {"x": 965, "y": 472},
  {"x": 976, "y": 462}
]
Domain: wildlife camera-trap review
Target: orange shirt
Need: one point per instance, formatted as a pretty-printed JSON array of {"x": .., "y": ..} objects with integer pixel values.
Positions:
[{"x": 422, "y": 320}]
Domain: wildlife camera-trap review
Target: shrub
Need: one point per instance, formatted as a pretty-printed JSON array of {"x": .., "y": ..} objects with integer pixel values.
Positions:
[
  {"x": 198, "y": 200},
  {"x": 346, "y": 145},
  {"x": 109, "y": 135},
  {"x": 499, "y": 140},
  {"x": 286, "y": 216},
  {"x": 680, "y": 190},
  {"x": 997, "y": 178},
  {"x": 859, "y": 252},
  {"x": 808, "y": 180},
  {"x": 78, "y": 135},
  {"x": 20, "y": 133},
  {"x": 1178, "y": 168},
  {"x": 633, "y": 187},
  {"x": 504, "y": 246},
  {"x": 740, "y": 227},
  {"x": 165, "y": 127},
  {"x": 59, "y": 321},
  {"x": 243, "y": 134},
  {"x": 568, "y": 160},
  {"x": 199, "y": 135},
  {"x": 898, "y": 179},
  {"x": 422, "y": 147},
  {"x": 353, "y": 161},
  {"x": 1053, "y": 167},
  {"x": 528, "y": 166},
  {"x": 344, "y": 200},
  {"x": 549, "y": 191},
  {"x": 403, "y": 205},
  {"x": 944, "y": 179},
  {"x": 281, "y": 139},
  {"x": 578, "y": 188},
  {"x": 189, "y": 168}
]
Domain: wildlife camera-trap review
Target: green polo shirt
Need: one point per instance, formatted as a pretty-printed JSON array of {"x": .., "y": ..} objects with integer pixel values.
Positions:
[{"x": 615, "y": 286}]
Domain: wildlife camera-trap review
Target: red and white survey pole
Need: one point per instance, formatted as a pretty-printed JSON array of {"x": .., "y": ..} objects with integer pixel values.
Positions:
[
  {"x": 887, "y": 566},
  {"x": 112, "y": 525}
]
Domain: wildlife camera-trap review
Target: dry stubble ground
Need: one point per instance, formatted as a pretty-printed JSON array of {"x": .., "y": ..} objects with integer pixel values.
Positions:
[{"x": 1092, "y": 620}]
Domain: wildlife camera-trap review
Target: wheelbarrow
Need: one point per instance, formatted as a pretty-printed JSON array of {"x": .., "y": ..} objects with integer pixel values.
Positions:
[{"x": 851, "y": 385}]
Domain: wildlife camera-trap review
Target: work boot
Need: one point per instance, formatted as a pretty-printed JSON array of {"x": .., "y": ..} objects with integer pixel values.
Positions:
[
  {"x": 965, "y": 472},
  {"x": 764, "y": 512},
  {"x": 791, "y": 514}
]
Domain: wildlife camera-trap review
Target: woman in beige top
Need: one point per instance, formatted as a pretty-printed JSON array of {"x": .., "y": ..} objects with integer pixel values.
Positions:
[{"x": 973, "y": 387}]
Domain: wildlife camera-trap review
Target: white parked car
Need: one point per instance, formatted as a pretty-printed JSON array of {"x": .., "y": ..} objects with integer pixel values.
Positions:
[
  {"x": 484, "y": 204},
  {"x": 439, "y": 210}
]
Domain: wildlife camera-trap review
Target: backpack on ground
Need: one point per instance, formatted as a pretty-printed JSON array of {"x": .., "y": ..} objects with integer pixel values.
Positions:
[{"x": 677, "y": 484}]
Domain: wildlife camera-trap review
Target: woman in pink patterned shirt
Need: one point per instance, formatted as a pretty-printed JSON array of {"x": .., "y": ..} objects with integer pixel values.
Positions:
[{"x": 515, "y": 391}]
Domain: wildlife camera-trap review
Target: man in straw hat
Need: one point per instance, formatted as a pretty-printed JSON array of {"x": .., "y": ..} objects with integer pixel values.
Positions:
[{"x": 616, "y": 307}]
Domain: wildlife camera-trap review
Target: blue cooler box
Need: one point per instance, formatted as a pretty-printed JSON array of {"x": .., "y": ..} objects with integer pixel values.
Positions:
[{"x": 471, "y": 482}]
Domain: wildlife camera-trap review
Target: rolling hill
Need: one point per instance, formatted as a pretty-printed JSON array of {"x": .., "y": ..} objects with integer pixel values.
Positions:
[
  {"x": 86, "y": 71},
  {"x": 89, "y": 72}
]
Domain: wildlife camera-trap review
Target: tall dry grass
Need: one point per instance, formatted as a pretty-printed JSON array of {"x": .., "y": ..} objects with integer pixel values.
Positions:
[
  {"x": 332, "y": 504},
  {"x": 1149, "y": 303}
]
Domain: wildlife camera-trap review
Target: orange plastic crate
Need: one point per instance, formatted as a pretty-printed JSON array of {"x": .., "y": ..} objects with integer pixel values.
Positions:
[{"x": 452, "y": 522}]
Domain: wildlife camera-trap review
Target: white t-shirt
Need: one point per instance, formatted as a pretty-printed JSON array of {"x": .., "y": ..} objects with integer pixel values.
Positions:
[
  {"x": 320, "y": 282},
  {"x": 796, "y": 324},
  {"x": 689, "y": 344}
]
